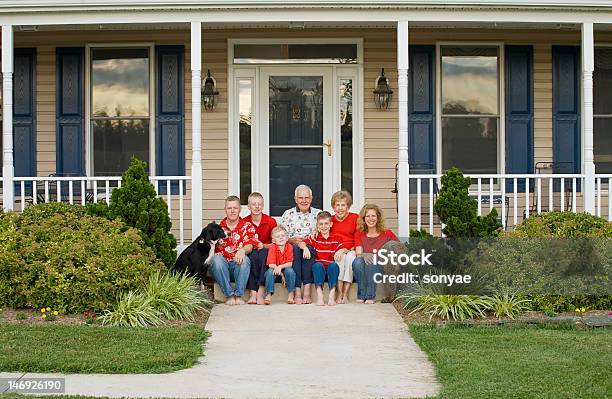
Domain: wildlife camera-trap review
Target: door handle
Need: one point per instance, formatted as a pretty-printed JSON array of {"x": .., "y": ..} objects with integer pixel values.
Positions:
[{"x": 329, "y": 146}]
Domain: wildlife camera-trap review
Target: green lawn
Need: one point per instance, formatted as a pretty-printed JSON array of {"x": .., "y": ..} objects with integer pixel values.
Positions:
[
  {"x": 90, "y": 349},
  {"x": 519, "y": 362}
]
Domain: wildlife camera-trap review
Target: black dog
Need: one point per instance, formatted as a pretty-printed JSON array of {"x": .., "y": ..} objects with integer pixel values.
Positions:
[{"x": 194, "y": 259}]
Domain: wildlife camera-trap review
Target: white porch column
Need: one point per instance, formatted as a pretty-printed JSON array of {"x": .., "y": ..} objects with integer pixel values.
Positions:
[
  {"x": 588, "y": 65},
  {"x": 403, "y": 211},
  {"x": 8, "y": 170},
  {"x": 196, "y": 128}
]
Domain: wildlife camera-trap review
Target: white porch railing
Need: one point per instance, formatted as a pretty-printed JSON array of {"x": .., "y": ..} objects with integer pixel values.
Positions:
[
  {"x": 514, "y": 196},
  {"x": 93, "y": 189}
]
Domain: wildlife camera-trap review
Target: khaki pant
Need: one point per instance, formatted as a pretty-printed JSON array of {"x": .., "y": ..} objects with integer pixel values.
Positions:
[{"x": 346, "y": 267}]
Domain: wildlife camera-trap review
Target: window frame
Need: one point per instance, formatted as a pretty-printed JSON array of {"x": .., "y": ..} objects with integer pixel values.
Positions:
[
  {"x": 501, "y": 130},
  {"x": 89, "y": 142},
  {"x": 595, "y": 116}
]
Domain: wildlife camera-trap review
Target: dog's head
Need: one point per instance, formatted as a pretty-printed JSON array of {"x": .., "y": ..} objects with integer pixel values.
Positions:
[{"x": 211, "y": 234}]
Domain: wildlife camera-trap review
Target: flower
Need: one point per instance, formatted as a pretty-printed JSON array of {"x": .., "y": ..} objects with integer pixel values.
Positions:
[
  {"x": 43, "y": 310},
  {"x": 48, "y": 309},
  {"x": 55, "y": 313},
  {"x": 44, "y": 316}
]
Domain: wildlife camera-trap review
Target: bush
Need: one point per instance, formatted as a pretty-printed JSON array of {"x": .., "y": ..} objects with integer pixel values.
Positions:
[
  {"x": 56, "y": 255},
  {"x": 447, "y": 307},
  {"x": 563, "y": 224},
  {"x": 132, "y": 310},
  {"x": 459, "y": 212},
  {"x": 175, "y": 297},
  {"x": 505, "y": 304},
  {"x": 136, "y": 203}
]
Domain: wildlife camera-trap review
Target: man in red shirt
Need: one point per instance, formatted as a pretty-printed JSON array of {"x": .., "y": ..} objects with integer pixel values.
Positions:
[
  {"x": 263, "y": 226},
  {"x": 231, "y": 252}
]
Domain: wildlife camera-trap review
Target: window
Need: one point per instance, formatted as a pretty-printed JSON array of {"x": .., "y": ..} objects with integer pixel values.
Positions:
[
  {"x": 470, "y": 109},
  {"x": 295, "y": 53},
  {"x": 120, "y": 108},
  {"x": 602, "y": 110}
]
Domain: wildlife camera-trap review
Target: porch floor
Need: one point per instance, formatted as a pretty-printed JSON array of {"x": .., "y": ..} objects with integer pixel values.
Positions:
[{"x": 349, "y": 351}]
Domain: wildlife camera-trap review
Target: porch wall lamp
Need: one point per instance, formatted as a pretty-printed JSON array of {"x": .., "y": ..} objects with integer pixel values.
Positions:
[
  {"x": 382, "y": 92},
  {"x": 209, "y": 93}
]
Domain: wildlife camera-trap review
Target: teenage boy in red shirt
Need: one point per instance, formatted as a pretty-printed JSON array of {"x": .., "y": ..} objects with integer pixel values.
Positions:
[
  {"x": 326, "y": 245},
  {"x": 264, "y": 224}
]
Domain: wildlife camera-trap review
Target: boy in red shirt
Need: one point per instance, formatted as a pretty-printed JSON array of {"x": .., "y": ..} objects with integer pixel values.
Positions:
[
  {"x": 263, "y": 226},
  {"x": 279, "y": 261},
  {"x": 326, "y": 245}
]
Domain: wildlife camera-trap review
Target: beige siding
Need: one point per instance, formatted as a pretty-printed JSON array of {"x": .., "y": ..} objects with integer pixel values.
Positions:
[{"x": 380, "y": 127}]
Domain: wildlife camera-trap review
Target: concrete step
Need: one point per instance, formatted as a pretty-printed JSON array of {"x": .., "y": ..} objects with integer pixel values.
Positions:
[{"x": 280, "y": 293}]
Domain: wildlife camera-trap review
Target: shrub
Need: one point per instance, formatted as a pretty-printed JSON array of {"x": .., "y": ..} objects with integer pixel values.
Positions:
[
  {"x": 175, "y": 297},
  {"x": 505, "y": 304},
  {"x": 132, "y": 310},
  {"x": 459, "y": 212},
  {"x": 136, "y": 203},
  {"x": 563, "y": 224},
  {"x": 447, "y": 307},
  {"x": 69, "y": 260}
]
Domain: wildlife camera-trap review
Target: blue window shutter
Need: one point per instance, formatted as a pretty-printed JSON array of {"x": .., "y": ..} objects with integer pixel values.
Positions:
[
  {"x": 170, "y": 114},
  {"x": 566, "y": 108},
  {"x": 24, "y": 113},
  {"x": 519, "y": 113},
  {"x": 421, "y": 112},
  {"x": 69, "y": 111}
]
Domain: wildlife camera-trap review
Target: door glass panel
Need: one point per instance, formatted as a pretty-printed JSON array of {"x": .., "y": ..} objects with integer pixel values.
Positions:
[
  {"x": 296, "y": 110},
  {"x": 346, "y": 134},
  {"x": 296, "y": 138}
]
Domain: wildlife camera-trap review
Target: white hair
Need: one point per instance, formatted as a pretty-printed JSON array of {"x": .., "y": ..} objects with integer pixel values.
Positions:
[{"x": 303, "y": 187}]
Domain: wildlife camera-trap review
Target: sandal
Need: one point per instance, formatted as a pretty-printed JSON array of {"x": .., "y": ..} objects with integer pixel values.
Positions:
[
  {"x": 290, "y": 301},
  {"x": 267, "y": 301}
]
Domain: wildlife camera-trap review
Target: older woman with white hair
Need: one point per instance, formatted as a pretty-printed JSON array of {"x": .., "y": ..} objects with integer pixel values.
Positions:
[{"x": 300, "y": 221}]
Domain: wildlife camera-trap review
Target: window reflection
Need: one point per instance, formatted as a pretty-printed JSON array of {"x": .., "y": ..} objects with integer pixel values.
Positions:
[
  {"x": 244, "y": 128},
  {"x": 120, "y": 108},
  {"x": 346, "y": 134},
  {"x": 470, "y": 90},
  {"x": 120, "y": 82}
]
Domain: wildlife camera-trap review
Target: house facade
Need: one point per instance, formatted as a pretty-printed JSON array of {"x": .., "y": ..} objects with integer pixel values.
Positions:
[{"x": 517, "y": 94}]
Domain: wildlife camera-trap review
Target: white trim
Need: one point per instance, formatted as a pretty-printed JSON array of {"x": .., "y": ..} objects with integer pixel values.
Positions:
[
  {"x": 501, "y": 129},
  {"x": 196, "y": 127},
  {"x": 89, "y": 162},
  {"x": 8, "y": 169}
]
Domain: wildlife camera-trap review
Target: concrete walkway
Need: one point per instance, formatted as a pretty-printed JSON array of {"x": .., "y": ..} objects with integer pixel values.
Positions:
[{"x": 289, "y": 351}]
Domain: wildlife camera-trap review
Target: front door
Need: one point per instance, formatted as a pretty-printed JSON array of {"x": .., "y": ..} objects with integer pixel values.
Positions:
[{"x": 299, "y": 129}]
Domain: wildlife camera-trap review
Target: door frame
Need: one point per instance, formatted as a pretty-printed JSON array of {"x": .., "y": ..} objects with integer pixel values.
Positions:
[{"x": 254, "y": 73}]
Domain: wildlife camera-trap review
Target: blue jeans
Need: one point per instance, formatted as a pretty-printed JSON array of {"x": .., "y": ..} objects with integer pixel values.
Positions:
[
  {"x": 303, "y": 267},
  {"x": 332, "y": 271},
  {"x": 221, "y": 269},
  {"x": 289, "y": 279},
  {"x": 364, "y": 275},
  {"x": 258, "y": 268}
]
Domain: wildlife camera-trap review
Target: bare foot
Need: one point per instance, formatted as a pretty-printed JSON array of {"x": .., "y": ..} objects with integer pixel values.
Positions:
[
  {"x": 359, "y": 301},
  {"x": 290, "y": 298},
  {"x": 307, "y": 300},
  {"x": 298, "y": 299},
  {"x": 344, "y": 300},
  {"x": 260, "y": 299},
  {"x": 253, "y": 298},
  {"x": 231, "y": 301},
  {"x": 239, "y": 301},
  {"x": 268, "y": 299},
  {"x": 320, "y": 301},
  {"x": 331, "y": 301},
  {"x": 370, "y": 302}
]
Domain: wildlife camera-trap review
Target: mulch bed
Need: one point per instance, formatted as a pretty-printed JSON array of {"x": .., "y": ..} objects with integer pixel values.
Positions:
[{"x": 530, "y": 317}]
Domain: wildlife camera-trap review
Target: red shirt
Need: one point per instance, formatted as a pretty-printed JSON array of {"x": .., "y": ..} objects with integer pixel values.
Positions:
[
  {"x": 325, "y": 247},
  {"x": 243, "y": 234},
  {"x": 264, "y": 229},
  {"x": 369, "y": 244},
  {"x": 346, "y": 229},
  {"x": 276, "y": 257}
]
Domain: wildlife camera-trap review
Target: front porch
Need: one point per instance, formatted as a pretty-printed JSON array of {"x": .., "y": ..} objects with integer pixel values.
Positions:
[{"x": 535, "y": 121}]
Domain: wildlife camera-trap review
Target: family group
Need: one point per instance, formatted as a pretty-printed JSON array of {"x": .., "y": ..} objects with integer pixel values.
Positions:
[{"x": 309, "y": 246}]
